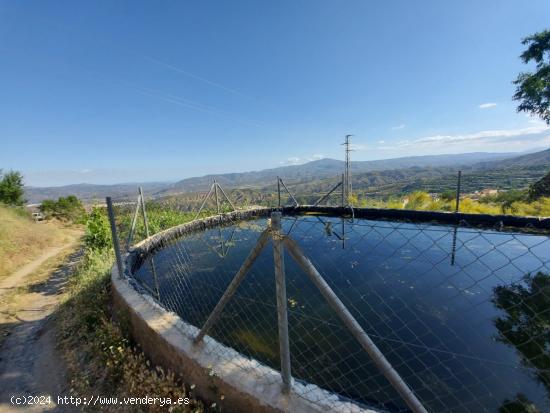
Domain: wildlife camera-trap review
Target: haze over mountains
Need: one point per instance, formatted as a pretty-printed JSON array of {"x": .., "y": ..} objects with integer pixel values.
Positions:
[{"x": 367, "y": 173}]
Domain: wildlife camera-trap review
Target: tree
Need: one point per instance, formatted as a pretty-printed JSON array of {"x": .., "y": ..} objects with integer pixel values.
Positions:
[
  {"x": 11, "y": 188},
  {"x": 540, "y": 188},
  {"x": 68, "y": 209},
  {"x": 533, "y": 89}
]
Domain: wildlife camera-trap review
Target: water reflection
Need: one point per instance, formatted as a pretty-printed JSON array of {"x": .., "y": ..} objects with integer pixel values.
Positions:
[
  {"x": 526, "y": 327},
  {"x": 433, "y": 298}
]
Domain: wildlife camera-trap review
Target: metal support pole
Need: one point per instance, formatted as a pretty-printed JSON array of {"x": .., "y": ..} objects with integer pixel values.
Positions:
[
  {"x": 144, "y": 212},
  {"x": 278, "y": 194},
  {"x": 234, "y": 284},
  {"x": 327, "y": 194},
  {"x": 226, "y": 197},
  {"x": 114, "y": 236},
  {"x": 343, "y": 192},
  {"x": 292, "y": 196},
  {"x": 204, "y": 202},
  {"x": 458, "y": 190},
  {"x": 134, "y": 222},
  {"x": 355, "y": 328},
  {"x": 216, "y": 197},
  {"x": 280, "y": 284}
]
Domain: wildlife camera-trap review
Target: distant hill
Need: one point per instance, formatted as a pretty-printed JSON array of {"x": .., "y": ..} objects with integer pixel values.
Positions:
[
  {"x": 324, "y": 168},
  {"x": 381, "y": 177},
  {"x": 89, "y": 192}
]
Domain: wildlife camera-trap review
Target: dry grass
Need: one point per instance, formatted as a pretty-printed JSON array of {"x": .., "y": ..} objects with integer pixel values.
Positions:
[
  {"x": 22, "y": 239},
  {"x": 99, "y": 355}
]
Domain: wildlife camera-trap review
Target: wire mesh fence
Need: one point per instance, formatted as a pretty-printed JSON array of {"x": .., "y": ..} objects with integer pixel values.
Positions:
[{"x": 461, "y": 313}]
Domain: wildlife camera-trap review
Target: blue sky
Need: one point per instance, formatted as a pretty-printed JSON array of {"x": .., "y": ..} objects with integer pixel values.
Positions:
[{"x": 106, "y": 92}]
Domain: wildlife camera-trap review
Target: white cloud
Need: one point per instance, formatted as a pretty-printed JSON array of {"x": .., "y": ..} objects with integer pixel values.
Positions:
[
  {"x": 381, "y": 142},
  {"x": 398, "y": 127},
  {"x": 487, "y": 105},
  {"x": 317, "y": 156},
  {"x": 293, "y": 160},
  {"x": 86, "y": 171},
  {"x": 531, "y": 136}
]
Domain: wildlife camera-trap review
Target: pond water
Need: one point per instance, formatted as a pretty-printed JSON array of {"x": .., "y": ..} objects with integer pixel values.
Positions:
[{"x": 450, "y": 308}]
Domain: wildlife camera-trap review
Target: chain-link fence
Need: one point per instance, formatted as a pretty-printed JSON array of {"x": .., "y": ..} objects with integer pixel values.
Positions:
[{"x": 461, "y": 313}]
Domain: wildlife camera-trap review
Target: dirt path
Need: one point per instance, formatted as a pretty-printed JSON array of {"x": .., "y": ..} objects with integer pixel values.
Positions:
[
  {"x": 17, "y": 278},
  {"x": 29, "y": 361}
]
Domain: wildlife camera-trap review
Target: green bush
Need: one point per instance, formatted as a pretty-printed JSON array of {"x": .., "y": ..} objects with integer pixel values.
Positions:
[
  {"x": 67, "y": 209},
  {"x": 98, "y": 232}
]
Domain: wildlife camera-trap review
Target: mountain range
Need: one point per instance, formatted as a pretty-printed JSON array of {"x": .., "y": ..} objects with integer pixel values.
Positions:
[{"x": 397, "y": 174}]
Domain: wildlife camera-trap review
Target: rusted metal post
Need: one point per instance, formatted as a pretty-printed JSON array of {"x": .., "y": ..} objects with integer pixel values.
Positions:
[
  {"x": 354, "y": 327},
  {"x": 234, "y": 284},
  {"x": 114, "y": 236},
  {"x": 280, "y": 284},
  {"x": 458, "y": 190}
]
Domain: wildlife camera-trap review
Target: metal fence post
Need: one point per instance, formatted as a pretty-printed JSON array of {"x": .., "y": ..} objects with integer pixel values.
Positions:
[
  {"x": 233, "y": 285},
  {"x": 134, "y": 222},
  {"x": 354, "y": 327},
  {"x": 226, "y": 197},
  {"x": 204, "y": 202},
  {"x": 216, "y": 197},
  {"x": 278, "y": 193},
  {"x": 289, "y": 193},
  {"x": 280, "y": 283},
  {"x": 458, "y": 190},
  {"x": 343, "y": 192},
  {"x": 144, "y": 212},
  {"x": 114, "y": 236},
  {"x": 327, "y": 194}
]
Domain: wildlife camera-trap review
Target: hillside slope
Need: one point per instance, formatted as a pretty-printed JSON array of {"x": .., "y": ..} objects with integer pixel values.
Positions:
[
  {"x": 22, "y": 239},
  {"x": 325, "y": 168},
  {"x": 368, "y": 173}
]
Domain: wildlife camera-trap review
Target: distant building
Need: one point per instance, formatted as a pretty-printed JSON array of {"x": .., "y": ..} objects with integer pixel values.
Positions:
[{"x": 484, "y": 192}]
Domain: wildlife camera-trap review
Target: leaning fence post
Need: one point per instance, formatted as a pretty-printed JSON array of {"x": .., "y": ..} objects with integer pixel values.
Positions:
[
  {"x": 145, "y": 220},
  {"x": 134, "y": 222},
  {"x": 354, "y": 327},
  {"x": 280, "y": 284},
  {"x": 458, "y": 190},
  {"x": 216, "y": 197},
  {"x": 114, "y": 235},
  {"x": 233, "y": 285}
]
